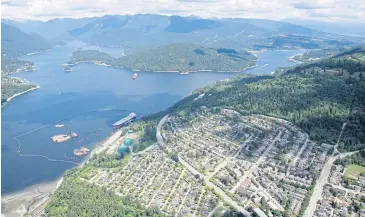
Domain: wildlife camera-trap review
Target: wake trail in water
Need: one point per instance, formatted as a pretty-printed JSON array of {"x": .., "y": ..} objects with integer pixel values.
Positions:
[{"x": 262, "y": 66}]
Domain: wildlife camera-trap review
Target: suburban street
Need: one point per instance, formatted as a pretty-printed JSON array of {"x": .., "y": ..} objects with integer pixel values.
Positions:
[{"x": 187, "y": 166}]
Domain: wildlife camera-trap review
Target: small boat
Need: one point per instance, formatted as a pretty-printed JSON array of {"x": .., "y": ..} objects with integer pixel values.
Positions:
[
  {"x": 134, "y": 76},
  {"x": 184, "y": 73},
  {"x": 67, "y": 69}
]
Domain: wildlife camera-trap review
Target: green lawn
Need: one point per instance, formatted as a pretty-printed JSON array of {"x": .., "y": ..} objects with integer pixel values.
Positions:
[{"x": 353, "y": 171}]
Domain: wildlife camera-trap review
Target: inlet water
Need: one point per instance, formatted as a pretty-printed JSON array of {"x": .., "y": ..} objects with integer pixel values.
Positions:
[{"x": 87, "y": 101}]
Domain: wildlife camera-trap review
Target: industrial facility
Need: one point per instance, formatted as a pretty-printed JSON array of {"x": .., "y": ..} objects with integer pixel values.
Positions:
[
  {"x": 126, "y": 147},
  {"x": 124, "y": 121}
]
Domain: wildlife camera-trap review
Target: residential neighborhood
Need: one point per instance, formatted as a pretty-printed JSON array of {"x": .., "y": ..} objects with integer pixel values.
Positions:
[{"x": 211, "y": 162}]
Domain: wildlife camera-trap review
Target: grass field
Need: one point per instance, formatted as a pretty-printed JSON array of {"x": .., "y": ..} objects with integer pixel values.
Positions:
[{"x": 353, "y": 171}]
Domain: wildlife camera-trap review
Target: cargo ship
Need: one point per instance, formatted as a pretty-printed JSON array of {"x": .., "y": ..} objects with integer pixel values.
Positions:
[
  {"x": 124, "y": 121},
  {"x": 81, "y": 152},
  {"x": 134, "y": 76}
]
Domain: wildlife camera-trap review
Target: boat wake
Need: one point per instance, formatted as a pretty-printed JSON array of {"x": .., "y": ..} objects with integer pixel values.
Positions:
[{"x": 262, "y": 66}]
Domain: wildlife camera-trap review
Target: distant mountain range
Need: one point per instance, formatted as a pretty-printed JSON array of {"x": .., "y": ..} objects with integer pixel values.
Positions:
[
  {"x": 56, "y": 29},
  {"x": 16, "y": 43},
  {"x": 135, "y": 32},
  {"x": 355, "y": 29},
  {"x": 138, "y": 31}
]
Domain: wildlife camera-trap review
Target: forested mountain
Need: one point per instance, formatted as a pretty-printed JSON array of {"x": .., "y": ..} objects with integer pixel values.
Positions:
[
  {"x": 350, "y": 62},
  {"x": 174, "y": 57},
  {"x": 141, "y": 31},
  {"x": 56, "y": 29},
  {"x": 315, "y": 55},
  {"x": 135, "y": 32},
  {"x": 319, "y": 103},
  {"x": 15, "y": 43}
]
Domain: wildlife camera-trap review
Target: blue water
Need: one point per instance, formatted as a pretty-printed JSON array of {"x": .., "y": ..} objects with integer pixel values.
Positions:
[{"x": 95, "y": 97}]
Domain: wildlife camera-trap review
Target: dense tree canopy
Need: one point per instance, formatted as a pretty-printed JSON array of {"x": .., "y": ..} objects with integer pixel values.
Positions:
[
  {"x": 174, "y": 57},
  {"x": 319, "y": 103}
]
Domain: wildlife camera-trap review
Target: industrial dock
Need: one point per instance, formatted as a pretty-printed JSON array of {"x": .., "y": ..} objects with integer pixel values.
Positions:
[{"x": 125, "y": 121}]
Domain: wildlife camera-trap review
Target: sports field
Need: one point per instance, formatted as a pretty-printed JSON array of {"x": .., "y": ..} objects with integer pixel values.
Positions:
[{"x": 353, "y": 171}]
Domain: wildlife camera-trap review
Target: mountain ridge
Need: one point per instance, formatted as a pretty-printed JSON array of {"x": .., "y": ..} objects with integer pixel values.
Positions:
[{"x": 15, "y": 43}]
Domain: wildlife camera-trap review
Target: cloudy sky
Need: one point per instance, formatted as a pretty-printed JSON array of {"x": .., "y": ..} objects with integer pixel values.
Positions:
[{"x": 322, "y": 10}]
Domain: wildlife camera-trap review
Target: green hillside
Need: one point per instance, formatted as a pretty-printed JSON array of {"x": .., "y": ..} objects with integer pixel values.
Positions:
[
  {"x": 319, "y": 103},
  {"x": 315, "y": 55},
  {"x": 349, "y": 62},
  {"x": 13, "y": 65},
  {"x": 12, "y": 85},
  {"x": 175, "y": 57},
  {"x": 15, "y": 43},
  {"x": 141, "y": 31}
]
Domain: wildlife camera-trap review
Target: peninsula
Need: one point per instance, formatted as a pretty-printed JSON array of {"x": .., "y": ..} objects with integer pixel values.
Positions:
[
  {"x": 13, "y": 86},
  {"x": 179, "y": 57}
]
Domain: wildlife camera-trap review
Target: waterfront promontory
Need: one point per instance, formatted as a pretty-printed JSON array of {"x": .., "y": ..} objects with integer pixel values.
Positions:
[{"x": 179, "y": 57}]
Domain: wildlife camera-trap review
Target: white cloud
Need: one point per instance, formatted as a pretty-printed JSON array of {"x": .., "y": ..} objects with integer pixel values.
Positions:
[{"x": 324, "y": 10}]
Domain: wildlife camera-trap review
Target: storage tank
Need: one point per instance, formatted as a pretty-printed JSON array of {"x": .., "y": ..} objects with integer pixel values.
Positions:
[
  {"x": 128, "y": 142},
  {"x": 123, "y": 149}
]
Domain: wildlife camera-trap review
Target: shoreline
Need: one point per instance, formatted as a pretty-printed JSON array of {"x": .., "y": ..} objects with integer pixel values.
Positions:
[
  {"x": 293, "y": 60},
  {"x": 37, "y": 52},
  {"x": 172, "y": 71},
  {"x": 19, "y": 202},
  {"x": 16, "y": 203},
  {"x": 18, "y": 94}
]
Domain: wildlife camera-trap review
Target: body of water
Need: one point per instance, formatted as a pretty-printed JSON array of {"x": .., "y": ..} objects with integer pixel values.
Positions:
[{"x": 87, "y": 101}]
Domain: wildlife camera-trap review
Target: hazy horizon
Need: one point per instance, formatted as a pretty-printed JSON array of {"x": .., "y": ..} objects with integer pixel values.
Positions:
[{"x": 337, "y": 11}]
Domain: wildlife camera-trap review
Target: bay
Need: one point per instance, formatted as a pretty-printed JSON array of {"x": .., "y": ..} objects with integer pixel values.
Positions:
[{"x": 87, "y": 101}]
